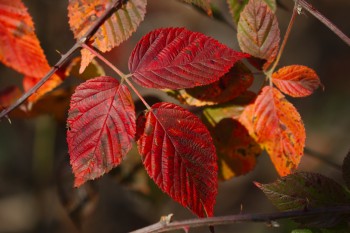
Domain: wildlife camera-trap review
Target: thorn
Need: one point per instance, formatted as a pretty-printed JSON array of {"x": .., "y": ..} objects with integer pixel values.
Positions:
[
  {"x": 8, "y": 118},
  {"x": 186, "y": 229},
  {"x": 59, "y": 53},
  {"x": 299, "y": 9},
  {"x": 165, "y": 220},
  {"x": 241, "y": 210},
  {"x": 29, "y": 106}
]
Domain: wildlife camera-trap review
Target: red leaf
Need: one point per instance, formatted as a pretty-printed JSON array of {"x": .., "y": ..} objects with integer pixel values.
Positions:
[
  {"x": 296, "y": 80},
  {"x": 101, "y": 127},
  {"x": 19, "y": 47},
  {"x": 276, "y": 125},
  {"x": 176, "y": 58},
  {"x": 179, "y": 155}
]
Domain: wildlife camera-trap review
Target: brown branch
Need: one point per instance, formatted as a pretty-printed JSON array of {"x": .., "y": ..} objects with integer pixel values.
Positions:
[
  {"x": 117, "y": 4},
  {"x": 307, "y": 6},
  {"x": 164, "y": 226}
]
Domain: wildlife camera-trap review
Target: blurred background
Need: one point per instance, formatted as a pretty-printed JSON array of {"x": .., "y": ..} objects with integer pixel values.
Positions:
[{"x": 36, "y": 193}]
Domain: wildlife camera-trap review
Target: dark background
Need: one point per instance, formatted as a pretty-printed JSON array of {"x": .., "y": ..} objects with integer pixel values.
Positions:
[{"x": 35, "y": 178}]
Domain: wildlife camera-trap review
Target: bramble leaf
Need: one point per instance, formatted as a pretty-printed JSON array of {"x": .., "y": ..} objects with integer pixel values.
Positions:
[
  {"x": 101, "y": 127},
  {"x": 276, "y": 125},
  {"x": 258, "y": 33},
  {"x": 19, "y": 46},
  {"x": 237, "y": 151},
  {"x": 204, "y": 4},
  {"x": 119, "y": 27},
  {"x": 236, "y": 7},
  {"x": 228, "y": 87},
  {"x": 296, "y": 80},
  {"x": 303, "y": 190},
  {"x": 179, "y": 155},
  {"x": 176, "y": 58}
]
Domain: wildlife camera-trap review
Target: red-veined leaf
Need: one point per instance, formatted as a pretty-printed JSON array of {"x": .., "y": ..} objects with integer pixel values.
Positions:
[
  {"x": 204, "y": 4},
  {"x": 101, "y": 127},
  {"x": 296, "y": 80},
  {"x": 277, "y": 126},
  {"x": 19, "y": 46},
  {"x": 176, "y": 58},
  {"x": 236, "y": 7},
  {"x": 258, "y": 33},
  {"x": 119, "y": 27},
  {"x": 179, "y": 155}
]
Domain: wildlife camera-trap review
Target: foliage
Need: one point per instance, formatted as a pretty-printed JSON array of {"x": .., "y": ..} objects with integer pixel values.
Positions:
[{"x": 183, "y": 153}]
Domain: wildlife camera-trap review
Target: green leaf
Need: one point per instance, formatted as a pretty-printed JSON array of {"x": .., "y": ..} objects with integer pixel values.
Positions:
[
  {"x": 307, "y": 190},
  {"x": 258, "y": 33},
  {"x": 346, "y": 170},
  {"x": 236, "y": 7}
]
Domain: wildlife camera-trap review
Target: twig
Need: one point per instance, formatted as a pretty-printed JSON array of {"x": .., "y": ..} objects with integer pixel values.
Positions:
[
  {"x": 307, "y": 6},
  {"x": 117, "y": 4},
  {"x": 164, "y": 226},
  {"x": 115, "y": 69}
]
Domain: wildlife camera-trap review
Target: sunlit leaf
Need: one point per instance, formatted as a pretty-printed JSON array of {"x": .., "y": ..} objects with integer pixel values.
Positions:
[
  {"x": 258, "y": 33},
  {"x": 176, "y": 58},
  {"x": 236, "y": 7},
  {"x": 101, "y": 127},
  {"x": 204, "y": 4},
  {"x": 276, "y": 125},
  {"x": 296, "y": 80},
  {"x": 179, "y": 155},
  {"x": 19, "y": 46},
  {"x": 119, "y": 27},
  {"x": 303, "y": 190}
]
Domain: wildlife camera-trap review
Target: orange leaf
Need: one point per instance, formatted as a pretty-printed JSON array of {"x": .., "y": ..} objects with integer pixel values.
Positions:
[
  {"x": 257, "y": 32},
  {"x": 119, "y": 27},
  {"x": 49, "y": 85},
  {"x": 278, "y": 128},
  {"x": 296, "y": 80},
  {"x": 19, "y": 46}
]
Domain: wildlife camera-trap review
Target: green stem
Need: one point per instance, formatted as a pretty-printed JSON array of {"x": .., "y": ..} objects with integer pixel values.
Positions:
[{"x": 123, "y": 76}]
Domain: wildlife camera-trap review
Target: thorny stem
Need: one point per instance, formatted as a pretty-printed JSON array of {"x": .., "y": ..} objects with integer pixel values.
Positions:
[
  {"x": 307, "y": 6},
  {"x": 121, "y": 74},
  {"x": 164, "y": 226},
  {"x": 117, "y": 4}
]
